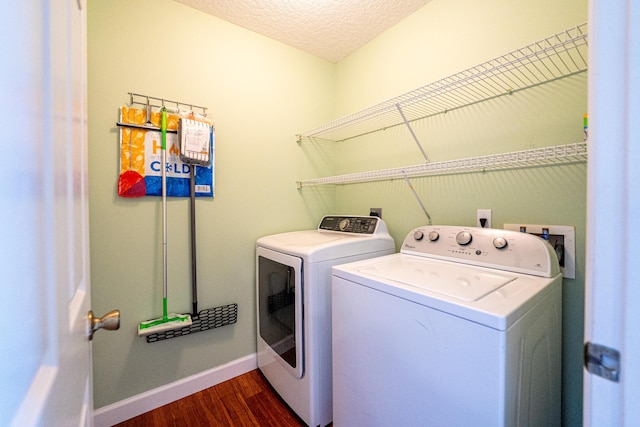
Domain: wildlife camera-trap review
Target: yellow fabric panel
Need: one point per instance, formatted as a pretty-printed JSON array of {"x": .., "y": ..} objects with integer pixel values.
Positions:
[{"x": 132, "y": 144}]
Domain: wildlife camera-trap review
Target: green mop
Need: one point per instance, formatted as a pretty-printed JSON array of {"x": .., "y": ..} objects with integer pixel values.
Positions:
[{"x": 171, "y": 320}]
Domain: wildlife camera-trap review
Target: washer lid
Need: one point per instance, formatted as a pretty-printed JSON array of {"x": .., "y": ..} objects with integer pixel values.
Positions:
[
  {"x": 311, "y": 238},
  {"x": 461, "y": 282},
  {"x": 316, "y": 246}
]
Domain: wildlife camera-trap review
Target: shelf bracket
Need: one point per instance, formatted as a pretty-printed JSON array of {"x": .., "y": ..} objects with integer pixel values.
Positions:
[
  {"x": 415, "y": 138},
  {"x": 415, "y": 194}
]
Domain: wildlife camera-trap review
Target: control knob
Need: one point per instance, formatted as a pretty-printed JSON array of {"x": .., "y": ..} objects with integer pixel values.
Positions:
[
  {"x": 464, "y": 238},
  {"x": 343, "y": 224},
  {"x": 433, "y": 236},
  {"x": 418, "y": 235},
  {"x": 500, "y": 243}
]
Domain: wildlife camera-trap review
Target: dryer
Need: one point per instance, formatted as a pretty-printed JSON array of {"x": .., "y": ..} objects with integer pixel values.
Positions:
[
  {"x": 461, "y": 328},
  {"x": 293, "y": 279}
]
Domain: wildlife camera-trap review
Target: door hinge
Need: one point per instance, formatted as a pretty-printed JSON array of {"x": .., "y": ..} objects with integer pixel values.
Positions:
[{"x": 602, "y": 361}]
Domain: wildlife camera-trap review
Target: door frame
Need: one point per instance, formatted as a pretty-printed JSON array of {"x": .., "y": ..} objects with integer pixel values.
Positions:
[{"x": 612, "y": 311}]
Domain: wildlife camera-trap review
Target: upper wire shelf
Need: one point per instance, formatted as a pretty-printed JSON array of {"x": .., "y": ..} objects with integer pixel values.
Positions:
[
  {"x": 544, "y": 156},
  {"x": 561, "y": 55}
]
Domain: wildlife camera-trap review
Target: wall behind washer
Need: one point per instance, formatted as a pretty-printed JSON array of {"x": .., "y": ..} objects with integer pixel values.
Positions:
[
  {"x": 259, "y": 93},
  {"x": 444, "y": 37}
]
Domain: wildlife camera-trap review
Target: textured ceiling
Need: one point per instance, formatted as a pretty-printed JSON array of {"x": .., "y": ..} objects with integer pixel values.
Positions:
[{"x": 330, "y": 29}]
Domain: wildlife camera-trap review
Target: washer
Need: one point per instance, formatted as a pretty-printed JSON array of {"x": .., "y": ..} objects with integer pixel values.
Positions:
[
  {"x": 293, "y": 282},
  {"x": 461, "y": 328}
]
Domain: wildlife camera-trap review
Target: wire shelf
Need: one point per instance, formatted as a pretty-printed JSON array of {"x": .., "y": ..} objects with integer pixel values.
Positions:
[
  {"x": 545, "y": 156},
  {"x": 561, "y": 55}
]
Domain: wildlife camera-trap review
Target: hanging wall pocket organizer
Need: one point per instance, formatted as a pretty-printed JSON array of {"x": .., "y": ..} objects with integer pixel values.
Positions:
[{"x": 140, "y": 173}]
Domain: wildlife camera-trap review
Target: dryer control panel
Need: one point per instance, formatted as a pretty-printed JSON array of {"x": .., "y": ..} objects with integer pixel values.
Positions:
[
  {"x": 352, "y": 224},
  {"x": 484, "y": 247}
]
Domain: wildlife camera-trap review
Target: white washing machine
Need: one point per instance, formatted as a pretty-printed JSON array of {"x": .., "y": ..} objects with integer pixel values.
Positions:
[
  {"x": 461, "y": 328},
  {"x": 293, "y": 279}
]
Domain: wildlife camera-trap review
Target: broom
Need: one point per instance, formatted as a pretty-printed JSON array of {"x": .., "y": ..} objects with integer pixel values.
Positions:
[
  {"x": 199, "y": 153},
  {"x": 167, "y": 321}
]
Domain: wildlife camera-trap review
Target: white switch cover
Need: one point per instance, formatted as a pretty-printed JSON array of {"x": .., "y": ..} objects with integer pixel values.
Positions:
[{"x": 484, "y": 214}]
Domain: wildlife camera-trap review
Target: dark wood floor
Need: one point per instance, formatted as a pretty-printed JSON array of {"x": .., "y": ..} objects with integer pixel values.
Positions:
[{"x": 247, "y": 400}]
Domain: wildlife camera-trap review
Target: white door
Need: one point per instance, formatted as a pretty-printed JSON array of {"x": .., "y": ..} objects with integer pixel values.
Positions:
[
  {"x": 44, "y": 230},
  {"x": 613, "y": 212}
]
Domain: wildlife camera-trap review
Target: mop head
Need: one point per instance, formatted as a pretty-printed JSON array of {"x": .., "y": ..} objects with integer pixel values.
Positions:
[
  {"x": 209, "y": 318},
  {"x": 172, "y": 321}
]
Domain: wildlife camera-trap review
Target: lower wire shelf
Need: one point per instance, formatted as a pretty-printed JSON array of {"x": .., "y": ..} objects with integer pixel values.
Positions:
[{"x": 544, "y": 156}]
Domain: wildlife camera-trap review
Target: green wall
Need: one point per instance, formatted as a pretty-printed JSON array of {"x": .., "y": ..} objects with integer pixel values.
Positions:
[
  {"x": 261, "y": 93},
  {"x": 441, "y": 39}
]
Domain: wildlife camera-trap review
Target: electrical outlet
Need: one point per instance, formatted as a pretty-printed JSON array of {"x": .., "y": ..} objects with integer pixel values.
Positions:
[
  {"x": 561, "y": 237},
  {"x": 375, "y": 212},
  {"x": 483, "y": 218}
]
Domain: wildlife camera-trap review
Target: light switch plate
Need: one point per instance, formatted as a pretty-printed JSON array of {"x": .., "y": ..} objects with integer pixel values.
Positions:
[{"x": 483, "y": 214}]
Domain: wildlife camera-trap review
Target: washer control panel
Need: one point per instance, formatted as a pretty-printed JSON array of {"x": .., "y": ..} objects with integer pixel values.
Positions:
[
  {"x": 351, "y": 224},
  {"x": 484, "y": 247}
]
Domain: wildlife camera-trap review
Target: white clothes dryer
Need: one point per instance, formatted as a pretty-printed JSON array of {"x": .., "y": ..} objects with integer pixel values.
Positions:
[
  {"x": 461, "y": 328},
  {"x": 293, "y": 279}
]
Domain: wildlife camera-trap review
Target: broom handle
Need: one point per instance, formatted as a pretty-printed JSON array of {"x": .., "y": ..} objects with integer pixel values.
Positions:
[
  {"x": 163, "y": 129},
  {"x": 194, "y": 274}
]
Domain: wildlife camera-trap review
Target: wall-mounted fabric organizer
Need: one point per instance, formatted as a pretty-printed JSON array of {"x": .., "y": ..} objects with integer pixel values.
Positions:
[{"x": 140, "y": 149}]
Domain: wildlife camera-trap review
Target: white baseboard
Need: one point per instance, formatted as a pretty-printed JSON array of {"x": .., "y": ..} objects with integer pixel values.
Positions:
[{"x": 136, "y": 405}]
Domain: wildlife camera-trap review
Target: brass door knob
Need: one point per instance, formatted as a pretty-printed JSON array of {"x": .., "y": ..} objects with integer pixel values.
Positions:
[{"x": 110, "y": 322}]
